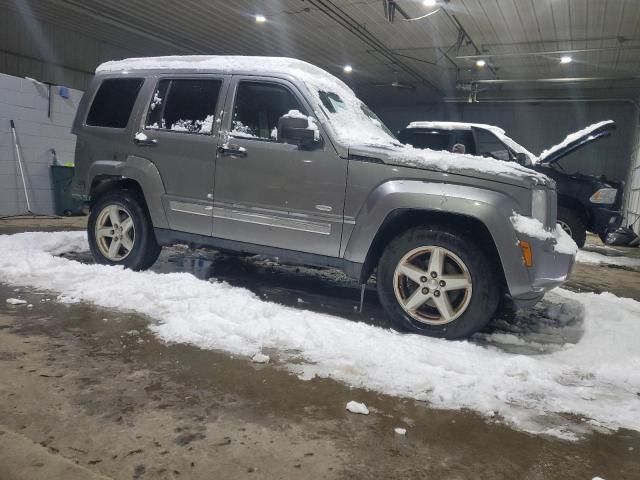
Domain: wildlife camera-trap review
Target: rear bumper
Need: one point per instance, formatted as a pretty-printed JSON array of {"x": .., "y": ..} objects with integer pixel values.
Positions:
[
  {"x": 605, "y": 219},
  {"x": 550, "y": 269}
]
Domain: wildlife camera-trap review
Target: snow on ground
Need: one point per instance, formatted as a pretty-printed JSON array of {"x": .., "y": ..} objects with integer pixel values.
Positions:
[
  {"x": 586, "y": 256},
  {"x": 592, "y": 373}
]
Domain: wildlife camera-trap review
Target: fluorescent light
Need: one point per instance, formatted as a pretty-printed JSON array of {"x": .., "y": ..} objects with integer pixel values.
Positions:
[
  {"x": 261, "y": 19},
  {"x": 566, "y": 59},
  {"x": 429, "y": 3},
  {"x": 348, "y": 69},
  {"x": 481, "y": 63}
]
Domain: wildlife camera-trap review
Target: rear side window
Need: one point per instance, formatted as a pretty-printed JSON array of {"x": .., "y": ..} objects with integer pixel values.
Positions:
[
  {"x": 113, "y": 103},
  {"x": 184, "y": 105},
  {"x": 433, "y": 140}
]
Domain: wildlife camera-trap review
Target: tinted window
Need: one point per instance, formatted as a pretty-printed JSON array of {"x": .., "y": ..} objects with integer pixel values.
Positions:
[
  {"x": 186, "y": 106},
  {"x": 258, "y": 107},
  {"x": 433, "y": 140},
  {"x": 488, "y": 145},
  {"x": 113, "y": 103}
]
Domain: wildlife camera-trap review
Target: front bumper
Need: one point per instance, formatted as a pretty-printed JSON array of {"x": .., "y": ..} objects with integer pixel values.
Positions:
[
  {"x": 605, "y": 219},
  {"x": 550, "y": 269}
]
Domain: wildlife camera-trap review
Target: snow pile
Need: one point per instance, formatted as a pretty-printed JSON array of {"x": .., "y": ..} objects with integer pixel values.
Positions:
[
  {"x": 593, "y": 373},
  {"x": 355, "y": 407},
  {"x": 141, "y": 136},
  {"x": 585, "y": 256},
  {"x": 260, "y": 358},
  {"x": 193, "y": 126},
  {"x": 572, "y": 138},
  {"x": 400, "y": 431},
  {"x": 533, "y": 228}
]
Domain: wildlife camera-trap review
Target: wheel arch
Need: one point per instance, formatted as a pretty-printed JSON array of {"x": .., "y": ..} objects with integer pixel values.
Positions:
[{"x": 137, "y": 174}]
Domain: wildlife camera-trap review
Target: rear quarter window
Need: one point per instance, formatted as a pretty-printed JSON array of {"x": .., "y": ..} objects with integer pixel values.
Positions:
[{"x": 113, "y": 103}]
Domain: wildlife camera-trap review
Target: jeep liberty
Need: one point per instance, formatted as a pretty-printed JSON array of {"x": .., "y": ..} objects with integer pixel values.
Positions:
[{"x": 277, "y": 157}]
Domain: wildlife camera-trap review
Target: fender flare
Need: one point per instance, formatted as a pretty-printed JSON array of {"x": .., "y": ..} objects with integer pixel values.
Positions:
[
  {"x": 489, "y": 207},
  {"x": 143, "y": 172}
]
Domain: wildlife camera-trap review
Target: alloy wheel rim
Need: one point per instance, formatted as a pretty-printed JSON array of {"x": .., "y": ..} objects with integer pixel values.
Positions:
[
  {"x": 115, "y": 233},
  {"x": 432, "y": 285},
  {"x": 565, "y": 227}
]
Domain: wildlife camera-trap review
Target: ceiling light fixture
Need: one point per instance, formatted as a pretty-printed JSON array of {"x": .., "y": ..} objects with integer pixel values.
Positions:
[
  {"x": 429, "y": 3},
  {"x": 348, "y": 69},
  {"x": 261, "y": 19},
  {"x": 481, "y": 63},
  {"x": 566, "y": 59}
]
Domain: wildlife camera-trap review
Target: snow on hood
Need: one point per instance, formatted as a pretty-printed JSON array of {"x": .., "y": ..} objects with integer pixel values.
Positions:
[
  {"x": 409, "y": 156},
  {"x": 571, "y": 138}
]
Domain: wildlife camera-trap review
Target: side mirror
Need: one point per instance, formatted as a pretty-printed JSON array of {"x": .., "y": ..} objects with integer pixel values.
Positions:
[
  {"x": 296, "y": 131},
  {"x": 523, "y": 159}
]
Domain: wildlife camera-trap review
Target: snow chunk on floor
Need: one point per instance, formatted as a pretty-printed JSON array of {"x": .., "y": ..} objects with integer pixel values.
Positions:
[
  {"x": 260, "y": 358},
  {"x": 356, "y": 407},
  {"x": 586, "y": 256},
  {"x": 16, "y": 301},
  {"x": 400, "y": 431},
  {"x": 592, "y": 371}
]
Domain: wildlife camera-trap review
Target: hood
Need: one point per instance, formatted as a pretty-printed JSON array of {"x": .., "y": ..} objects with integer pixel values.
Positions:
[
  {"x": 453, "y": 163},
  {"x": 576, "y": 140}
]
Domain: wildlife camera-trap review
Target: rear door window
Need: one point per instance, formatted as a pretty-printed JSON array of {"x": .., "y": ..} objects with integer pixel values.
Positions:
[
  {"x": 114, "y": 102},
  {"x": 259, "y": 106},
  {"x": 184, "y": 105}
]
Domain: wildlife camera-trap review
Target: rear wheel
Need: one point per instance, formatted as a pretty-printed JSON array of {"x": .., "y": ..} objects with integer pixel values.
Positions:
[
  {"x": 436, "y": 282},
  {"x": 120, "y": 231},
  {"x": 573, "y": 225}
]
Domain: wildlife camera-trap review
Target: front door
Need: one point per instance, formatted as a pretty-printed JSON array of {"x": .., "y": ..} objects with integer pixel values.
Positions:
[
  {"x": 179, "y": 135},
  {"x": 272, "y": 193}
]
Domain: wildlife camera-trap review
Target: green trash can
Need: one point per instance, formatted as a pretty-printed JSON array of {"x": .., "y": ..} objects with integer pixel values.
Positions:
[{"x": 65, "y": 204}]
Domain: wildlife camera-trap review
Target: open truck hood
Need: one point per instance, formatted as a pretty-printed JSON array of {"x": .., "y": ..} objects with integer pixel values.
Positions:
[{"x": 576, "y": 140}]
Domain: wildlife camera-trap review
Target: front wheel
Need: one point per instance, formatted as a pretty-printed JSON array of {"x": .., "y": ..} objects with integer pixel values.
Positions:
[
  {"x": 573, "y": 225},
  {"x": 436, "y": 282},
  {"x": 121, "y": 233}
]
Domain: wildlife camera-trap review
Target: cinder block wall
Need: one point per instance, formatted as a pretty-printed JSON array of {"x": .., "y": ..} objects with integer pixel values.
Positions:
[{"x": 25, "y": 102}]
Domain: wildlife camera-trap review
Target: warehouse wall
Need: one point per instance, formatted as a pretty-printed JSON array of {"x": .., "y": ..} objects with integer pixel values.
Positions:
[
  {"x": 540, "y": 125},
  {"x": 633, "y": 183},
  {"x": 50, "y": 44},
  {"x": 25, "y": 102}
]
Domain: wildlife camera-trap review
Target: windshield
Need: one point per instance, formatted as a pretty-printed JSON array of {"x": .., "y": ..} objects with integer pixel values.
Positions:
[{"x": 353, "y": 121}]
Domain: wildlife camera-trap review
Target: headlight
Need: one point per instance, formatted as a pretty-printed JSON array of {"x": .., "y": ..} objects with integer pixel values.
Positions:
[
  {"x": 606, "y": 196},
  {"x": 539, "y": 206}
]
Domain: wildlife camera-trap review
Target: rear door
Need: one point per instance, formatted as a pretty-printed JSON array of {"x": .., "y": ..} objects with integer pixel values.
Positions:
[
  {"x": 272, "y": 193},
  {"x": 179, "y": 135}
]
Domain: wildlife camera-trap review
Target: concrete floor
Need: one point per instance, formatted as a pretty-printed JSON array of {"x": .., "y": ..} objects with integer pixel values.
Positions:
[{"x": 86, "y": 393}]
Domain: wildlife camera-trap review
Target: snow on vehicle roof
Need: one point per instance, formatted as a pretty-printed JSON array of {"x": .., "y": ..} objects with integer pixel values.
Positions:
[
  {"x": 225, "y": 64},
  {"x": 572, "y": 137}
]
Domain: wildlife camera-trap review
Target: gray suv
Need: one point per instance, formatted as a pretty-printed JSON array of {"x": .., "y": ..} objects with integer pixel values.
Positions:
[{"x": 277, "y": 157}]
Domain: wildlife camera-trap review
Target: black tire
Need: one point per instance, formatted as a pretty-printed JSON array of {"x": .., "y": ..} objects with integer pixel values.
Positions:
[
  {"x": 145, "y": 249},
  {"x": 575, "y": 224},
  {"x": 486, "y": 284}
]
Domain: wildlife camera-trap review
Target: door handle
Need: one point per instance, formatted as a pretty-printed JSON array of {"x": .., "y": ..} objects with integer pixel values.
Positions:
[
  {"x": 232, "y": 150},
  {"x": 149, "y": 142}
]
